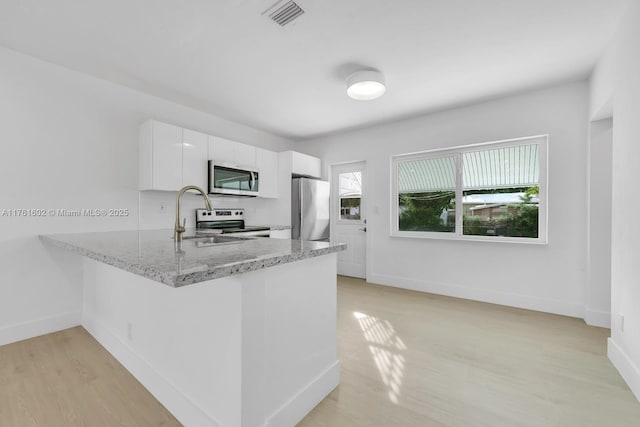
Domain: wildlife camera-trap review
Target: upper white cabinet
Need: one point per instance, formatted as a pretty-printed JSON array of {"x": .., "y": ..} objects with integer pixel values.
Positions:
[
  {"x": 222, "y": 150},
  {"x": 303, "y": 164},
  {"x": 245, "y": 154},
  {"x": 160, "y": 156},
  {"x": 172, "y": 157},
  {"x": 195, "y": 146},
  {"x": 267, "y": 165}
]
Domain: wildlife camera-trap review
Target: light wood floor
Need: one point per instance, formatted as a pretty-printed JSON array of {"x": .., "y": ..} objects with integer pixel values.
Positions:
[
  {"x": 67, "y": 379},
  {"x": 407, "y": 359},
  {"x": 415, "y": 359}
]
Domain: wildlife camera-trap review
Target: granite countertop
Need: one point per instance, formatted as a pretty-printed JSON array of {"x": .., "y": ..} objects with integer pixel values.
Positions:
[
  {"x": 274, "y": 227},
  {"x": 153, "y": 253}
]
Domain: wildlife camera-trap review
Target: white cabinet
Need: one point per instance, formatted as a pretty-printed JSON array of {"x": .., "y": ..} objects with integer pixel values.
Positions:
[
  {"x": 303, "y": 164},
  {"x": 222, "y": 150},
  {"x": 280, "y": 234},
  {"x": 267, "y": 165},
  {"x": 194, "y": 158},
  {"x": 160, "y": 156},
  {"x": 245, "y": 155},
  {"x": 171, "y": 157}
]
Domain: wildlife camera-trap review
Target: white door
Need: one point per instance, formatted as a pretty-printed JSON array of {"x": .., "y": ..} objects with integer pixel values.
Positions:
[{"x": 348, "y": 216}]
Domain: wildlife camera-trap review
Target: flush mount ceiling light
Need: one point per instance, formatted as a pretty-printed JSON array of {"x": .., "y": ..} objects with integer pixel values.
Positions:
[{"x": 365, "y": 85}]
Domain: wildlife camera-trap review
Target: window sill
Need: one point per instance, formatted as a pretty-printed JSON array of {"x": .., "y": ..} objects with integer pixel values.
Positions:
[{"x": 467, "y": 238}]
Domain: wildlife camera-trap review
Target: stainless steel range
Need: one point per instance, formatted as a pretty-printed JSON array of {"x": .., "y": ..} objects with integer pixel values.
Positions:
[{"x": 227, "y": 221}]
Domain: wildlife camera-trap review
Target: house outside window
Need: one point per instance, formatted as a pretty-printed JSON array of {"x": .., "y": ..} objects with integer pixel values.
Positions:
[
  {"x": 492, "y": 191},
  {"x": 350, "y": 188}
]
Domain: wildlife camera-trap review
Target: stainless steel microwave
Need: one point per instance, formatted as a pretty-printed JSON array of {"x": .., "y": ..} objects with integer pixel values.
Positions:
[{"x": 233, "y": 180}]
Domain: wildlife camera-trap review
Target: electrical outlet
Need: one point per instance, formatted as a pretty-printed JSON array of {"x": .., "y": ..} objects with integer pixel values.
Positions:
[
  {"x": 621, "y": 322},
  {"x": 129, "y": 331}
]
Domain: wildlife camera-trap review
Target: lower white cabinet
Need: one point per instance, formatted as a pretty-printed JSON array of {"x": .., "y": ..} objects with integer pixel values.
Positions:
[{"x": 280, "y": 234}]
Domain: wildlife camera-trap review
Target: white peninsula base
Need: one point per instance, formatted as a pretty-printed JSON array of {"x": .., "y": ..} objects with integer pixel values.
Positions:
[{"x": 252, "y": 349}]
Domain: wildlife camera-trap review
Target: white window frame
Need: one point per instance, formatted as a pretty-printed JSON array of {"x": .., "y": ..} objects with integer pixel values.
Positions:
[{"x": 457, "y": 152}]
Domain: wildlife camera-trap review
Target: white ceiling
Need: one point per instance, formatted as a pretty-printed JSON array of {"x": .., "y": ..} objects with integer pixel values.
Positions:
[{"x": 224, "y": 57}]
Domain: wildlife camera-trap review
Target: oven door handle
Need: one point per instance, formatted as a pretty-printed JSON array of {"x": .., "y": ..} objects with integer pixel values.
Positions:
[{"x": 252, "y": 181}]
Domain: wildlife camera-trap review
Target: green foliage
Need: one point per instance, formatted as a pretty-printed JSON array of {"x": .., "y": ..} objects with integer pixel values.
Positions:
[
  {"x": 476, "y": 226},
  {"x": 532, "y": 191},
  {"x": 521, "y": 220},
  {"x": 423, "y": 211}
]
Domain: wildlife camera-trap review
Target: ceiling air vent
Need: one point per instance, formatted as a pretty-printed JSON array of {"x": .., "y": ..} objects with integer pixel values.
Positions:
[{"x": 283, "y": 12}]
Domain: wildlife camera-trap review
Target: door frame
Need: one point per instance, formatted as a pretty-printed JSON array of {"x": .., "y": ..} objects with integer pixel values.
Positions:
[{"x": 366, "y": 207}]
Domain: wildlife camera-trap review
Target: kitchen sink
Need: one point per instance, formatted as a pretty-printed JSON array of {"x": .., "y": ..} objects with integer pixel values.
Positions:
[{"x": 216, "y": 240}]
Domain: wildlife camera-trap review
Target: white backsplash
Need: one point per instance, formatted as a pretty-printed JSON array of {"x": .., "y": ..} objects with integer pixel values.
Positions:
[{"x": 158, "y": 209}]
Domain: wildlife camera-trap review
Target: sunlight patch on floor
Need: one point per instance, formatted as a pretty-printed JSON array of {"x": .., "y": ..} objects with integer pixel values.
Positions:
[{"x": 387, "y": 350}]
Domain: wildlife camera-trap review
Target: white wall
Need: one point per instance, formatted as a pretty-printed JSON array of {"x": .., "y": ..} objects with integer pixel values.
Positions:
[
  {"x": 601, "y": 84},
  {"x": 70, "y": 141},
  {"x": 618, "y": 72},
  {"x": 598, "y": 289},
  {"x": 542, "y": 277}
]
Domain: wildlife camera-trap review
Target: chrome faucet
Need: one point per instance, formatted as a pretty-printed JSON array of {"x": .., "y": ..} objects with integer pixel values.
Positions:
[{"x": 180, "y": 228}]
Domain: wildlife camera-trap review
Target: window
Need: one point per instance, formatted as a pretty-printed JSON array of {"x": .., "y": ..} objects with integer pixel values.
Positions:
[
  {"x": 492, "y": 191},
  {"x": 427, "y": 200},
  {"x": 350, "y": 191}
]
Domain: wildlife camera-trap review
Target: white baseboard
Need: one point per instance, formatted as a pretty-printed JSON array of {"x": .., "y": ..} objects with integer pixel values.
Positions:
[
  {"x": 183, "y": 408},
  {"x": 34, "y": 328},
  {"x": 624, "y": 364},
  {"x": 513, "y": 300},
  {"x": 306, "y": 399},
  {"x": 597, "y": 318}
]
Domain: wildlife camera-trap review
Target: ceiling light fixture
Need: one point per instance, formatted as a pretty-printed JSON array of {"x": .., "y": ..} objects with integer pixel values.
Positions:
[{"x": 365, "y": 85}]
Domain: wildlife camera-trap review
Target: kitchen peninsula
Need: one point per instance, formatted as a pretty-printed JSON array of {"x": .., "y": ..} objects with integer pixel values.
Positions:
[{"x": 222, "y": 331}]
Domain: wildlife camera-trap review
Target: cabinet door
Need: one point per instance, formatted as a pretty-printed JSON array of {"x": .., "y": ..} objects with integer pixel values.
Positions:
[
  {"x": 194, "y": 158},
  {"x": 267, "y": 165},
  {"x": 221, "y": 150},
  {"x": 167, "y": 157},
  {"x": 304, "y": 164},
  {"x": 280, "y": 234},
  {"x": 245, "y": 155}
]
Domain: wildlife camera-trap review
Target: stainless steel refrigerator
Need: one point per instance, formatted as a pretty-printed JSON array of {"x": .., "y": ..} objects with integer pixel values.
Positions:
[{"x": 309, "y": 209}]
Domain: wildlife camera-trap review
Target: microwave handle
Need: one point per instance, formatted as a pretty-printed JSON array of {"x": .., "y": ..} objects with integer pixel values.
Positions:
[{"x": 252, "y": 181}]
